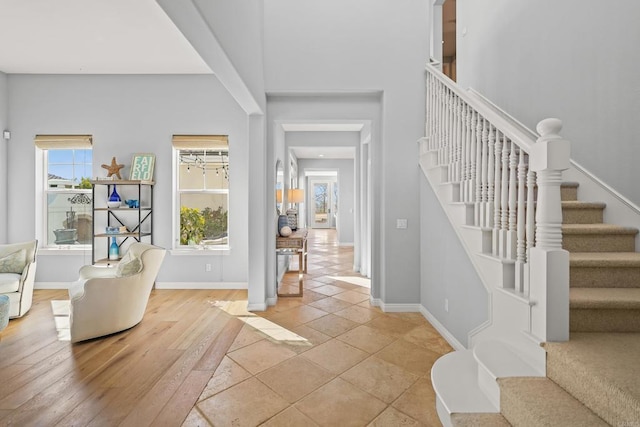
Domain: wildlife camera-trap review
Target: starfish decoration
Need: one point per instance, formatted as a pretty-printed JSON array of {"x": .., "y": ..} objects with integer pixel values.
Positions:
[{"x": 114, "y": 168}]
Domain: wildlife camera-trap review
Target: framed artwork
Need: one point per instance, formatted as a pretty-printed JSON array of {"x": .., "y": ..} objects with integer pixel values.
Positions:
[{"x": 142, "y": 166}]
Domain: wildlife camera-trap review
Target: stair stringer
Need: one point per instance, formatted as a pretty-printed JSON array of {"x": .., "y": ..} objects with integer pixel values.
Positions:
[
  {"x": 496, "y": 274},
  {"x": 509, "y": 318}
]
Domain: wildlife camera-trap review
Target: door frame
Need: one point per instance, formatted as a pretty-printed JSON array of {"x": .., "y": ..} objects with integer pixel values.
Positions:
[{"x": 332, "y": 181}]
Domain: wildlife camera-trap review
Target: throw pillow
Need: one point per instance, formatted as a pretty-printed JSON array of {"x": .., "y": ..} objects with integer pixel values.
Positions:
[
  {"x": 14, "y": 262},
  {"x": 129, "y": 267}
]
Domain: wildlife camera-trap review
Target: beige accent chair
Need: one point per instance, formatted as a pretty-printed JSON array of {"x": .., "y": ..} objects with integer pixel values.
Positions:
[
  {"x": 106, "y": 300},
  {"x": 18, "y": 286}
]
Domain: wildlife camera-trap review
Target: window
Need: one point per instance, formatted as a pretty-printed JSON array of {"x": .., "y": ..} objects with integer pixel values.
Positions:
[
  {"x": 66, "y": 166},
  {"x": 202, "y": 190}
]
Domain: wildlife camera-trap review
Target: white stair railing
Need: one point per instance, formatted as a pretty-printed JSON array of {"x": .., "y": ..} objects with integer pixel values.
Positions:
[{"x": 497, "y": 163}]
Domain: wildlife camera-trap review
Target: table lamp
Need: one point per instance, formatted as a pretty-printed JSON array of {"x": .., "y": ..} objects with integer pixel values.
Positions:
[{"x": 294, "y": 196}]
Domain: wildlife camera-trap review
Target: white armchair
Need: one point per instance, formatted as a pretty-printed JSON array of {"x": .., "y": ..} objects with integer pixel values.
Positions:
[
  {"x": 17, "y": 275},
  {"x": 108, "y": 300}
]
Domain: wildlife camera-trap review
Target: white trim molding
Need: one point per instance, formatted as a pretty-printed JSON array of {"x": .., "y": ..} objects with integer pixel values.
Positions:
[{"x": 201, "y": 285}]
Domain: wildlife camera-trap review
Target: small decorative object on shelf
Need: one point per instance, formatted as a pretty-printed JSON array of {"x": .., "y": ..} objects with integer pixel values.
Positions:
[
  {"x": 114, "y": 197},
  {"x": 114, "y": 250},
  {"x": 142, "y": 166},
  {"x": 113, "y": 168},
  {"x": 132, "y": 203},
  {"x": 292, "y": 218},
  {"x": 285, "y": 231},
  {"x": 282, "y": 222}
]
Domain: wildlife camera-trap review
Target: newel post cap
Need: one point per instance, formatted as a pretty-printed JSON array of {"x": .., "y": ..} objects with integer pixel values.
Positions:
[{"x": 551, "y": 151}]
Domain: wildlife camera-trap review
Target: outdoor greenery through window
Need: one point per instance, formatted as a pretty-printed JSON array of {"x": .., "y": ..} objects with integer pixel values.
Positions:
[
  {"x": 67, "y": 217},
  {"x": 203, "y": 192}
]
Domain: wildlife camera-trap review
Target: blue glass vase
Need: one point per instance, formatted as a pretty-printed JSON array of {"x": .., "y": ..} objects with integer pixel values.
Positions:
[
  {"x": 114, "y": 249},
  {"x": 114, "y": 197}
]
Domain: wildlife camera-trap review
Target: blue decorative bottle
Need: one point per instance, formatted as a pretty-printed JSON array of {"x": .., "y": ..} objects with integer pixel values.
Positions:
[
  {"x": 114, "y": 250},
  {"x": 114, "y": 197}
]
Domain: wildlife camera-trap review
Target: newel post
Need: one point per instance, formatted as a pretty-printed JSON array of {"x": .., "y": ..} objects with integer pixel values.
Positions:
[{"x": 549, "y": 263}]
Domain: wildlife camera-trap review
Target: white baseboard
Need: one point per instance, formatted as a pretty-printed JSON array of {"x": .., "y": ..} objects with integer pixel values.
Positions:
[
  {"x": 159, "y": 285},
  {"x": 400, "y": 308},
  {"x": 272, "y": 301},
  {"x": 51, "y": 285},
  {"x": 201, "y": 285},
  {"x": 345, "y": 244},
  {"x": 457, "y": 345}
]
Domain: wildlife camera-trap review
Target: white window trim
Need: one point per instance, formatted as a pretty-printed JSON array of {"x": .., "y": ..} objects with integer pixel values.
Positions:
[
  {"x": 177, "y": 248},
  {"x": 41, "y": 213}
]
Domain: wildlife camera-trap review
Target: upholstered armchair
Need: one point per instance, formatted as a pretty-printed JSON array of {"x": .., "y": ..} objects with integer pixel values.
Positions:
[
  {"x": 17, "y": 275},
  {"x": 106, "y": 300}
]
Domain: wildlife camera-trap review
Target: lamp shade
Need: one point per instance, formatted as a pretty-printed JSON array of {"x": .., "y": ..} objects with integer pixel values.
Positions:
[
  {"x": 295, "y": 195},
  {"x": 278, "y": 196}
]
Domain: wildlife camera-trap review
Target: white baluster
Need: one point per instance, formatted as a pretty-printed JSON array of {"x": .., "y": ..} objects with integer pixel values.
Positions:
[
  {"x": 504, "y": 199},
  {"x": 454, "y": 133},
  {"x": 520, "y": 231},
  {"x": 531, "y": 224},
  {"x": 472, "y": 155},
  {"x": 513, "y": 187},
  {"x": 490, "y": 176},
  {"x": 497, "y": 179},
  {"x": 466, "y": 138},
  {"x": 549, "y": 263},
  {"x": 478, "y": 183},
  {"x": 452, "y": 137},
  {"x": 485, "y": 173},
  {"x": 459, "y": 140}
]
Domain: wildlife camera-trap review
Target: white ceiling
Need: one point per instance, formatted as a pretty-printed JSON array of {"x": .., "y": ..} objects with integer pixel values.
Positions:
[
  {"x": 318, "y": 152},
  {"x": 92, "y": 37}
]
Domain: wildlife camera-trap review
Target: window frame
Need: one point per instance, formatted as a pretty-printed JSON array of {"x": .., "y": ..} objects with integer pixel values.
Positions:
[
  {"x": 192, "y": 143},
  {"x": 43, "y": 145}
]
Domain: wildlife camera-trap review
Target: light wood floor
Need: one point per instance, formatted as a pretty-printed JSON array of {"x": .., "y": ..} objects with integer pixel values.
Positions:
[
  {"x": 198, "y": 359},
  {"x": 151, "y": 374}
]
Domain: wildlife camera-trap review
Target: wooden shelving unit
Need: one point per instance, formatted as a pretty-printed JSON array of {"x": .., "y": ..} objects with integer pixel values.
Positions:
[{"x": 139, "y": 221}]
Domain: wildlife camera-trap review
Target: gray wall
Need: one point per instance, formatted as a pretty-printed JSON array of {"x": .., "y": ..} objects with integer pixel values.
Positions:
[
  {"x": 346, "y": 193},
  {"x": 336, "y": 46},
  {"x": 576, "y": 60},
  {"x": 4, "y": 116},
  {"x": 446, "y": 271},
  {"x": 129, "y": 114}
]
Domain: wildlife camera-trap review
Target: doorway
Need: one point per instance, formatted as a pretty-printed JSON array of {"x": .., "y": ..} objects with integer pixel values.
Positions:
[{"x": 323, "y": 202}]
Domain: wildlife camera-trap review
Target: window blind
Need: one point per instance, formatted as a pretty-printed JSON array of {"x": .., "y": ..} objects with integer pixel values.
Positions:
[
  {"x": 200, "y": 142},
  {"x": 46, "y": 142}
]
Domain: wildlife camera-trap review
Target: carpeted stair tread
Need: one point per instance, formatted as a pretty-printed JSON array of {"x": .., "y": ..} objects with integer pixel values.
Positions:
[
  {"x": 577, "y": 204},
  {"x": 604, "y": 269},
  {"x": 598, "y": 238},
  {"x": 605, "y": 298},
  {"x": 538, "y": 401},
  {"x": 597, "y": 229},
  {"x": 602, "y": 371},
  {"x": 576, "y": 212},
  {"x": 569, "y": 190},
  {"x": 604, "y": 259},
  {"x": 479, "y": 420}
]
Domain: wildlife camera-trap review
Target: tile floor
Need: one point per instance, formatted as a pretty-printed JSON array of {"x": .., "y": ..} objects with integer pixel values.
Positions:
[{"x": 328, "y": 358}]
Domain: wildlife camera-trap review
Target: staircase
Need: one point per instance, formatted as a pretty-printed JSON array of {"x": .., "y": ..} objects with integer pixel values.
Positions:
[
  {"x": 594, "y": 378},
  {"x": 513, "y": 373}
]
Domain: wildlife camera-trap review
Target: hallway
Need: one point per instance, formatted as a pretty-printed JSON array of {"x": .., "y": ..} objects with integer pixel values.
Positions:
[{"x": 327, "y": 358}]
